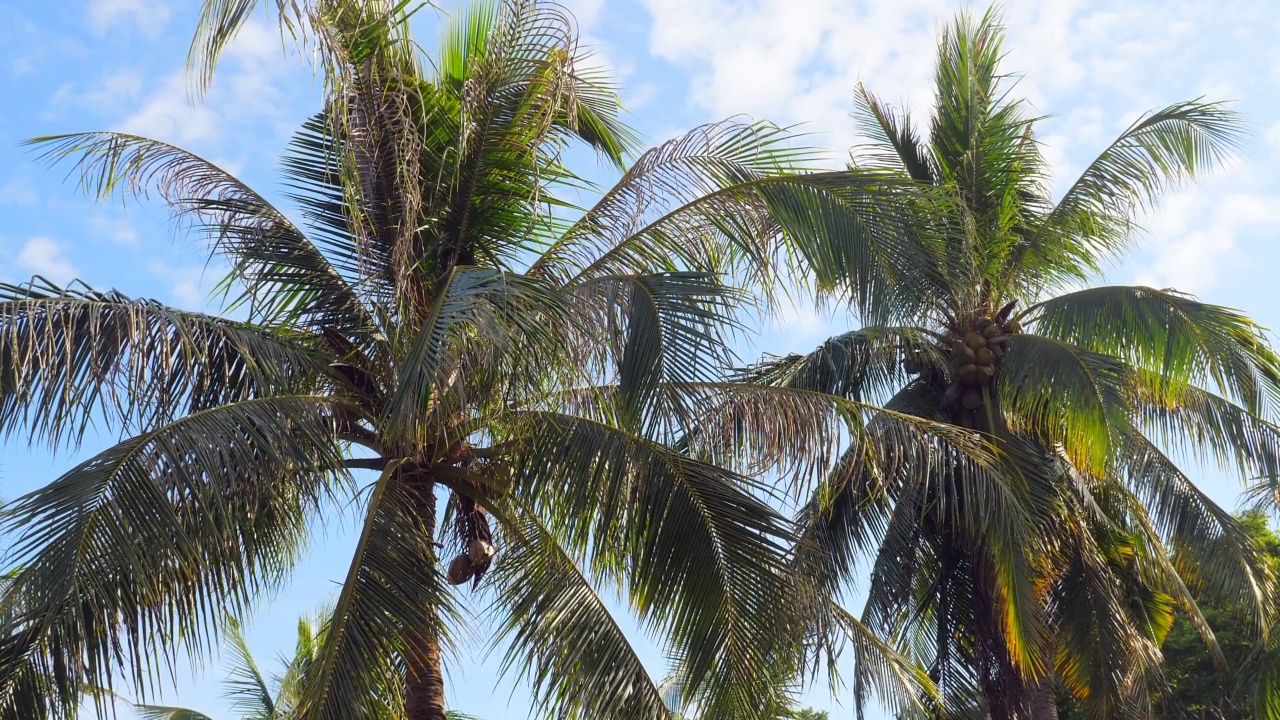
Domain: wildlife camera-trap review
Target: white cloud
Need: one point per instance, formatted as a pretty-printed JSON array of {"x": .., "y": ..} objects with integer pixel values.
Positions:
[
  {"x": 1194, "y": 237},
  {"x": 44, "y": 256},
  {"x": 169, "y": 115},
  {"x": 116, "y": 230},
  {"x": 189, "y": 285},
  {"x": 111, "y": 94},
  {"x": 18, "y": 192},
  {"x": 149, "y": 16},
  {"x": 245, "y": 89}
]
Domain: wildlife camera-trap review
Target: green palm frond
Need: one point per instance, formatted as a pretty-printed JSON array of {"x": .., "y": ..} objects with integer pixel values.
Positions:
[
  {"x": 563, "y": 638},
  {"x": 1212, "y": 551},
  {"x": 69, "y": 356},
  {"x": 1175, "y": 337},
  {"x": 1159, "y": 150},
  {"x": 705, "y": 161},
  {"x": 663, "y": 330},
  {"x": 1208, "y": 427},
  {"x": 698, "y": 554},
  {"x": 512, "y": 319},
  {"x": 861, "y": 364},
  {"x": 166, "y": 529},
  {"x": 1065, "y": 394},
  {"x": 894, "y": 131},
  {"x": 393, "y": 604},
  {"x": 287, "y": 279},
  {"x": 246, "y": 686}
]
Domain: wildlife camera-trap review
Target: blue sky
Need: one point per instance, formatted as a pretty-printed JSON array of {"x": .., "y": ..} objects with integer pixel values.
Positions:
[{"x": 1092, "y": 67}]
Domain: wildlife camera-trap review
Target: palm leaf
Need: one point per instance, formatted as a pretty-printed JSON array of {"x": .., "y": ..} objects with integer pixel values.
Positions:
[
  {"x": 287, "y": 279},
  {"x": 1172, "y": 335},
  {"x": 69, "y": 355},
  {"x": 699, "y": 556},
  {"x": 1065, "y": 394},
  {"x": 562, "y": 636},
  {"x": 392, "y": 603},
  {"x": 136, "y": 552},
  {"x": 1158, "y": 151}
]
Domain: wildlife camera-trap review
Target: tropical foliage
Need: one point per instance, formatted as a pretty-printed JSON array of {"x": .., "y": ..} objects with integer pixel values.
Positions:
[
  {"x": 1059, "y": 551},
  {"x": 513, "y": 369},
  {"x": 542, "y": 391},
  {"x": 255, "y": 696}
]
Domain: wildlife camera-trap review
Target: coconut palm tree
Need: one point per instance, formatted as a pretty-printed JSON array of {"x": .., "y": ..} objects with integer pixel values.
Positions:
[
  {"x": 508, "y": 368},
  {"x": 1048, "y": 562}
]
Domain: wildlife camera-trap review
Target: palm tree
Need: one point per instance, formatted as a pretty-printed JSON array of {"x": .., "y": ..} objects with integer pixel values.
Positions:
[
  {"x": 1045, "y": 559},
  {"x": 253, "y": 695},
  {"x": 512, "y": 368}
]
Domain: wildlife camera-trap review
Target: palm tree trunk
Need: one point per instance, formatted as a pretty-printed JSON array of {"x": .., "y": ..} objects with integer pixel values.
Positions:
[
  {"x": 1044, "y": 703},
  {"x": 424, "y": 681},
  {"x": 424, "y": 694}
]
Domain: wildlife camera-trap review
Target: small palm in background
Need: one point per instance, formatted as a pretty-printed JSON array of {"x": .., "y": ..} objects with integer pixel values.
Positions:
[{"x": 254, "y": 696}]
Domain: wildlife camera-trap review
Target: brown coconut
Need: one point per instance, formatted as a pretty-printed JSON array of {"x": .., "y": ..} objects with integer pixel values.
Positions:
[
  {"x": 991, "y": 330},
  {"x": 479, "y": 552},
  {"x": 984, "y": 356},
  {"x": 975, "y": 340},
  {"x": 972, "y": 400},
  {"x": 969, "y": 374},
  {"x": 460, "y": 570}
]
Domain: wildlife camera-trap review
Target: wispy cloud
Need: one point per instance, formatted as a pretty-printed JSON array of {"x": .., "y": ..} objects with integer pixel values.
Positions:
[
  {"x": 117, "y": 230},
  {"x": 44, "y": 256},
  {"x": 148, "y": 16},
  {"x": 18, "y": 191}
]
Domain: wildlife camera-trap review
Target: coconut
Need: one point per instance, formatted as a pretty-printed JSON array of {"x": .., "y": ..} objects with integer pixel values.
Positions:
[
  {"x": 479, "y": 552},
  {"x": 969, "y": 355},
  {"x": 958, "y": 347},
  {"x": 991, "y": 330},
  {"x": 986, "y": 372},
  {"x": 969, "y": 374},
  {"x": 975, "y": 340},
  {"x": 971, "y": 400},
  {"x": 460, "y": 569},
  {"x": 985, "y": 356}
]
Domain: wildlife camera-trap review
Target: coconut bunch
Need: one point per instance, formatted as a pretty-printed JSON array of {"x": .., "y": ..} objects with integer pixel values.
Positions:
[
  {"x": 975, "y": 353},
  {"x": 475, "y": 536}
]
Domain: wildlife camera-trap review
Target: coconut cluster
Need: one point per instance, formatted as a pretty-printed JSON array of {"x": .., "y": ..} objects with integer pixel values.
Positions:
[
  {"x": 465, "y": 566},
  {"x": 976, "y": 354}
]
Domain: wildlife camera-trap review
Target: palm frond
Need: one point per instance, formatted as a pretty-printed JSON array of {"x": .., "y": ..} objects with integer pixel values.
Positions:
[
  {"x": 699, "y": 556},
  {"x": 563, "y": 638},
  {"x": 1063, "y": 393},
  {"x": 135, "y": 554},
  {"x": 1212, "y": 551},
  {"x": 245, "y": 686},
  {"x": 894, "y": 142},
  {"x": 658, "y": 330},
  {"x": 71, "y": 355},
  {"x": 706, "y": 160},
  {"x": 287, "y": 279},
  {"x": 1158, "y": 151},
  {"x": 1172, "y": 335},
  {"x": 1208, "y": 427},
  {"x": 220, "y": 22},
  {"x": 859, "y": 365},
  {"x": 393, "y": 604},
  {"x": 511, "y": 320}
]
